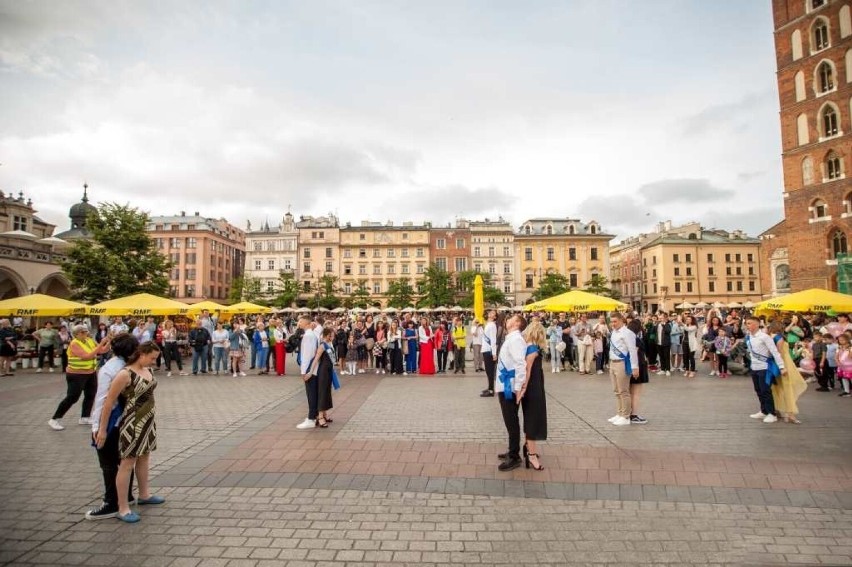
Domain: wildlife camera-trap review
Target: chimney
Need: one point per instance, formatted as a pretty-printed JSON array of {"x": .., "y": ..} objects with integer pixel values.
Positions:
[
  {"x": 183, "y": 213},
  {"x": 196, "y": 213}
]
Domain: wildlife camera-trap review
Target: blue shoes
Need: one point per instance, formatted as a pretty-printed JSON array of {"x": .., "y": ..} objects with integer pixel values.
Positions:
[
  {"x": 130, "y": 517},
  {"x": 152, "y": 500}
]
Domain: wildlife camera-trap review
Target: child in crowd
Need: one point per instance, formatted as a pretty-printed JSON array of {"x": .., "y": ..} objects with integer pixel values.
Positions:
[
  {"x": 599, "y": 352},
  {"x": 829, "y": 365},
  {"x": 723, "y": 347},
  {"x": 844, "y": 364},
  {"x": 807, "y": 364},
  {"x": 351, "y": 355},
  {"x": 818, "y": 351}
]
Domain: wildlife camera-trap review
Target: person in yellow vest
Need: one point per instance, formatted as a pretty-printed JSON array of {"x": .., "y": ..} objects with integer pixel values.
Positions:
[
  {"x": 81, "y": 375},
  {"x": 459, "y": 335}
]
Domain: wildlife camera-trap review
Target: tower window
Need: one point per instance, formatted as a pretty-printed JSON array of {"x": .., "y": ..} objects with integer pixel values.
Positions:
[
  {"x": 819, "y": 36},
  {"x": 829, "y": 121},
  {"x": 833, "y": 166},
  {"x": 825, "y": 76}
]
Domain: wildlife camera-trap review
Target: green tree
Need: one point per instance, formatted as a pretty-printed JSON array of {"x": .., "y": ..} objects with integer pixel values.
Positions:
[
  {"x": 553, "y": 283},
  {"x": 287, "y": 291},
  {"x": 400, "y": 293},
  {"x": 436, "y": 288},
  {"x": 599, "y": 285},
  {"x": 360, "y": 296},
  {"x": 246, "y": 288},
  {"x": 325, "y": 293},
  {"x": 464, "y": 289},
  {"x": 120, "y": 259}
]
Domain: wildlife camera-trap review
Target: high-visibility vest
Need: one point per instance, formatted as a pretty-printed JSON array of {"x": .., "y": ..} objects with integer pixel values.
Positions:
[{"x": 78, "y": 365}]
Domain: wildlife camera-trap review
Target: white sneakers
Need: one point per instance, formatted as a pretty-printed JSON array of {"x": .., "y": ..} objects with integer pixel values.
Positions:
[
  {"x": 38, "y": 370},
  {"x": 613, "y": 418},
  {"x": 55, "y": 425},
  {"x": 85, "y": 421},
  {"x": 600, "y": 372},
  {"x": 307, "y": 424},
  {"x": 668, "y": 373},
  {"x": 235, "y": 374},
  {"x": 242, "y": 373},
  {"x": 712, "y": 373},
  {"x": 620, "y": 421},
  {"x": 770, "y": 419},
  {"x": 758, "y": 415}
]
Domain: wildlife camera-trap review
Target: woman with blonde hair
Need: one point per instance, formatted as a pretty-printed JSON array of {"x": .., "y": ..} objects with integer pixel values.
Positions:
[{"x": 532, "y": 397}]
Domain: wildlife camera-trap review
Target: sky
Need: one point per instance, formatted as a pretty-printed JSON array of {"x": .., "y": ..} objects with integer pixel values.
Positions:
[{"x": 624, "y": 112}]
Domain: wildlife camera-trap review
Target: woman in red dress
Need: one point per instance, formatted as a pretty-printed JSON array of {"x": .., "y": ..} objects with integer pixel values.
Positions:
[{"x": 426, "y": 340}]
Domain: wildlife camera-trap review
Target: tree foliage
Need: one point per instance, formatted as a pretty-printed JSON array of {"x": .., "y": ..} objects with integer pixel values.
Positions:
[
  {"x": 325, "y": 293},
  {"x": 599, "y": 285},
  {"x": 360, "y": 296},
  {"x": 492, "y": 295},
  {"x": 246, "y": 288},
  {"x": 435, "y": 288},
  {"x": 552, "y": 283},
  {"x": 400, "y": 293},
  {"x": 287, "y": 290},
  {"x": 120, "y": 259}
]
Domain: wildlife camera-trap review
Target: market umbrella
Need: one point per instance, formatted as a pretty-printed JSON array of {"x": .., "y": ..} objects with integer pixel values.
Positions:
[
  {"x": 389, "y": 310},
  {"x": 702, "y": 305},
  {"x": 323, "y": 310},
  {"x": 748, "y": 304},
  {"x": 684, "y": 305},
  {"x": 40, "y": 305},
  {"x": 576, "y": 301},
  {"x": 140, "y": 305},
  {"x": 339, "y": 310},
  {"x": 409, "y": 310},
  {"x": 810, "y": 300},
  {"x": 718, "y": 305},
  {"x": 303, "y": 310},
  {"x": 440, "y": 309},
  {"x": 373, "y": 310},
  {"x": 247, "y": 307},
  {"x": 197, "y": 308},
  {"x": 503, "y": 309},
  {"x": 734, "y": 305}
]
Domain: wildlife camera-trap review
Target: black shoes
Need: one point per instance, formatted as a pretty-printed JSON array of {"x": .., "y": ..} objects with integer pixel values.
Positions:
[
  {"x": 486, "y": 394},
  {"x": 510, "y": 464},
  {"x": 102, "y": 512}
]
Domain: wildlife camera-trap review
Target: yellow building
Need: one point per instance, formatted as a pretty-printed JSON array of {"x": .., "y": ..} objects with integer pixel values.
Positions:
[
  {"x": 703, "y": 266},
  {"x": 319, "y": 250},
  {"x": 376, "y": 254},
  {"x": 566, "y": 246}
]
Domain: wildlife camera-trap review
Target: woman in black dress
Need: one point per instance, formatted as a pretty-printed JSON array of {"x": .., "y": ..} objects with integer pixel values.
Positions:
[
  {"x": 324, "y": 369},
  {"x": 532, "y": 396},
  {"x": 636, "y": 383}
]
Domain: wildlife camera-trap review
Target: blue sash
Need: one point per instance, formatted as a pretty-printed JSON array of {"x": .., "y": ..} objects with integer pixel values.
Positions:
[
  {"x": 335, "y": 381},
  {"x": 532, "y": 349},
  {"x": 772, "y": 370},
  {"x": 506, "y": 376},
  {"x": 628, "y": 368},
  {"x": 112, "y": 422}
]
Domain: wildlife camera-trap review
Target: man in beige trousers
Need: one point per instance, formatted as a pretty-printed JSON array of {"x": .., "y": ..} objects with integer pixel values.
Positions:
[{"x": 623, "y": 363}]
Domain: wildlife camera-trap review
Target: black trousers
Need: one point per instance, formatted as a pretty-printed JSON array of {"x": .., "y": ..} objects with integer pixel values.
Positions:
[
  {"x": 458, "y": 359},
  {"x": 723, "y": 363},
  {"x": 48, "y": 352},
  {"x": 665, "y": 357},
  {"x": 86, "y": 384},
  {"x": 490, "y": 369},
  {"x": 688, "y": 358},
  {"x": 513, "y": 425},
  {"x": 442, "y": 360},
  {"x": 763, "y": 391},
  {"x": 172, "y": 353},
  {"x": 109, "y": 459},
  {"x": 312, "y": 391}
]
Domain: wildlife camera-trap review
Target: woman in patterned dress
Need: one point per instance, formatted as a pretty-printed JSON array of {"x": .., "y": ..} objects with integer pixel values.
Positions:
[{"x": 137, "y": 427}]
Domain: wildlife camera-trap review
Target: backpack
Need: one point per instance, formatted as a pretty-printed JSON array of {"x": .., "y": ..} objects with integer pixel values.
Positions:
[{"x": 294, "y": 341}]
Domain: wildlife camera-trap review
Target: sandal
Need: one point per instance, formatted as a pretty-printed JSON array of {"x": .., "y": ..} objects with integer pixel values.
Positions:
[
  {"x": 793, "y": 420},
  {"x": 322, "y": 422}
]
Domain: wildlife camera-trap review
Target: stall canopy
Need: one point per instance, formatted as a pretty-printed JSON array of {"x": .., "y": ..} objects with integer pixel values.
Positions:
[
  {"x": 576, "y": 301},
  {"x": 247, "y": 308},
  {"x": 40, "y": 305},
  {"x": 811, "y": 300},
  {"x": 211, "y": 306},
  {"x": 140, "y": 305}
]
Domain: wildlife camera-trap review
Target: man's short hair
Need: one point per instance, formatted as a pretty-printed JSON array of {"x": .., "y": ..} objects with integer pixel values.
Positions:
[
  {"x": 753, "y": 318},
  {"x": 616, "y": 315},
  {"x": 522, "y": 322}
]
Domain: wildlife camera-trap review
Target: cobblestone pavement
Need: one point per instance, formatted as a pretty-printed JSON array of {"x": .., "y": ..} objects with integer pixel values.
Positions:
[{"x": 407, "y": 474}]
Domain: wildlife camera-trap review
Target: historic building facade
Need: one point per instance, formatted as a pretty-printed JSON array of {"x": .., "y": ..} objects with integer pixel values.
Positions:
[
  {"x": 449, "y": 247},
  {"x": 318, "y": 250},
  {"x": 492, "y": 250},
  {"x": 206, "y": 255},
  {"x": 571, "y": 247},
  {"x": 272, "y": 252},
  {"x": 813, "y": 45}
]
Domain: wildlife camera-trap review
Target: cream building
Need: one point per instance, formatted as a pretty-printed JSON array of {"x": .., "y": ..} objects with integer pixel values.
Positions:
[
  {"x": 271, "y": 252},
  {"x": 570, "y": 247},
  {"x": 493, "y": 251},
  {"x": 375, "y": 254},
  {"x": 318, "y": 250}
]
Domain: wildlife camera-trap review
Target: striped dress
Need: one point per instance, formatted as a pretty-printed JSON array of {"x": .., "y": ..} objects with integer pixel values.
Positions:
[{"x": 137, "y": 427}]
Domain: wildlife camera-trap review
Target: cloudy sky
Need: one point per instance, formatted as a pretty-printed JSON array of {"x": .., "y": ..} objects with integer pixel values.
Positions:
[{"x": 624, "y": 112}]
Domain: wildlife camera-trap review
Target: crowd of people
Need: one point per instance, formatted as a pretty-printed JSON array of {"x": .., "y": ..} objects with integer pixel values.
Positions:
[{"x": 113, "y": 367}]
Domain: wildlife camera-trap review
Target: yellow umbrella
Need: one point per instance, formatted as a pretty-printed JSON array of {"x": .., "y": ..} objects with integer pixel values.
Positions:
[
  {"x": 140, "y": 305},
  {"x": 212, "y": 306},
  {"x": 246, "y": 307},
  {"x": 478, "y": 299},
  {"x": 40, "y": 305},
  {"x": 810, "y": 300},
  {"x": 576, "y": 301}
]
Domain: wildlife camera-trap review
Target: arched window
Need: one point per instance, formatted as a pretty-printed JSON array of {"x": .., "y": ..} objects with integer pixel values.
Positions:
[
  {"x": 796, "y": 43},
  {"x": 548, "y": 229},
  {"x": 849, "y": 66},
  {"x": 593, "y": 229},
  {"x": 847, "y": 204},
  {"x": 833, "y": 166},
  {"x": 845, "y": 22},
  {"x": 819, "y": 209},
  {"x": 828, "y": 121},
  {"x": 571, "y": 229},
  {"x": 819, "y": 35},
  {"x": 802, "y": 129},
  {"x": 692, "y": 236},
  {"x": 838, "y": 243},
  {"x": 799, "y": 81},
  {"x": 527, "y": 229},
  {"x": 817, "y": 4},
  {"x": 825, "y": 77},
  {"x": 807, "y": 170}
]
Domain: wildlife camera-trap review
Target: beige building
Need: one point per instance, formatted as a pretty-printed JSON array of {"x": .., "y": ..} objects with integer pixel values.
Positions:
[
  {"x": 492, "y": 250},
  {"x": 375, "y": 254},
  {"x": 29, "y": 254},
  {"x": 319, "y": 250},
  {"x": 206, "y": 255},
  {"x": 271, "y": 252},
  {"x": 701, "y": 266},
  {"x": 566, "y": 246}
]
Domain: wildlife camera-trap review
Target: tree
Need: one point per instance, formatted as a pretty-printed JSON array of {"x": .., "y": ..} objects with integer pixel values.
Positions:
[
  {"x": 400, "y": 293},
  {"x": 120, "y": 259},
  {"x": 324, "y": 293},
  {"x": 553, "y": 283},
  {"x": 360, "y": 296},
  {"x": 599, "y": 285},
  {"x": 492, "y": 295},
  {"x": 288, "y": 289},
  {"x": 246, "y": 288},
  {"x": 435, "y": 287}
]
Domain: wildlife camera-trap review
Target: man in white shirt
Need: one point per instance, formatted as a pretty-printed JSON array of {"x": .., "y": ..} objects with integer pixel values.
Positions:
[
  {"x": 118, "y": 326},
  {"x": 623, "y": 363},
  {"x": 761, "y": 347},
  {"x": 512, "y": 371},
  {"x": 489, "y": 352},
  {"x": 476, "y": 333},
  {"x": 307, "y": 351}
]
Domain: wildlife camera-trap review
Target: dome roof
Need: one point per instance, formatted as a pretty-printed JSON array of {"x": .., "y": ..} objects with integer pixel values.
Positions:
[{"x": 81, "y": 210}]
